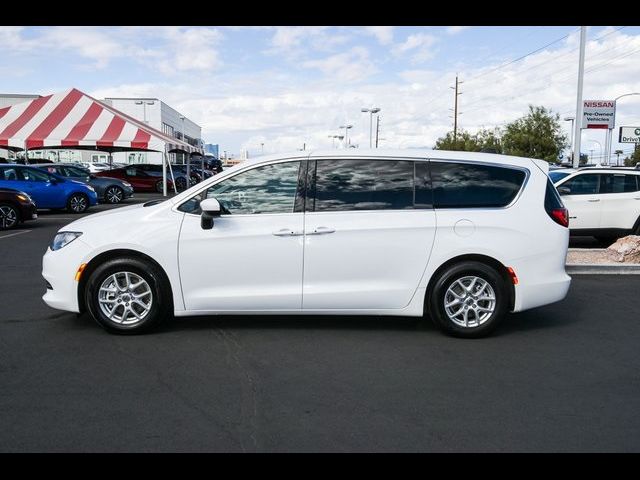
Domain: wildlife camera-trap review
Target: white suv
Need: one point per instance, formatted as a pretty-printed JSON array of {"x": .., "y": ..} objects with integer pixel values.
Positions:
[
  {"x": 463, "y": 236},
  {"x": 602, "y": 202}
]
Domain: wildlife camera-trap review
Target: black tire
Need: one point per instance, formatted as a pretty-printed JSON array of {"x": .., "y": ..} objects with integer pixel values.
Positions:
[
  {"x": 78, "y": 203},
  {"x": 181, "y": 183},
  {"x": 161, "y": 301},
  {"x": 483, "y": 325},
  {"x": 9, "y": 216},
  {"x": 113, "y": 194},
  {"x": 159, "y": 187},
  {"x": 606, "y": 241}
]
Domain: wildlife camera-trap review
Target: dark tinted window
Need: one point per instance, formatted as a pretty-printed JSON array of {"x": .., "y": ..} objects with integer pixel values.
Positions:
[
  {"x": 555, "y": 176},
  {"x": 464, "y": 185},
  {"x": 618, "y": 183},
  {"x": 9, "y": 173},
  {"x": 363, "y": 185},
  {"x": 586, "y": 184},
  {"x": 552, "y": 198}
]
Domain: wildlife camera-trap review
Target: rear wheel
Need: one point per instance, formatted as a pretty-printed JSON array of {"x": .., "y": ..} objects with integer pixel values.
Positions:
[
  {"x": 113, "y": 194},
  {"x": 9, "y": 216},
  {"x": 469, "y": 300},
  {"x": 78, "y": 203},
  {"x": 181, "y": 183},
  {"x": 159, "y": 187},
  {"x": 128, "y": 296}
]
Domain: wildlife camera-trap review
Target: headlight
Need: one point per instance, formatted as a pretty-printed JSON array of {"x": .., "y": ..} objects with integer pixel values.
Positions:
[
  {"x": 63, "y": 238},
  {"x": 24, "y": 197},
  {"x": 91, "y": 188},
  {"x": 126, "y": 184}
]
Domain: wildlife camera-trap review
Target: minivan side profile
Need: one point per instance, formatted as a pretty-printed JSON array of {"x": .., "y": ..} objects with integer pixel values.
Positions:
[{"x": 463, "y": 237}]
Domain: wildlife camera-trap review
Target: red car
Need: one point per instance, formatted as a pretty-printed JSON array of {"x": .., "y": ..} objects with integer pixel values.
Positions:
[
  {"x": 140, "y": 180},
  {"x": 15, "y": 207}
]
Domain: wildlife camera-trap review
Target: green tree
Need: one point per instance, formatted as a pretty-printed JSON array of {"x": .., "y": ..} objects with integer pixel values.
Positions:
[
  {"x": 633, "y": 159},
  {"x": 484, "y": 139},
  {"x": 536, "y": 135}
]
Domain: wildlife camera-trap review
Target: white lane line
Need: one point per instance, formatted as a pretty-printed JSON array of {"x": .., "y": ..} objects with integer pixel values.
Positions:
[{"x": 15, "y": 233}]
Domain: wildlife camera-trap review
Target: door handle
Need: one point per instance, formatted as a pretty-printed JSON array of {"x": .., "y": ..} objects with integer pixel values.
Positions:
[
  {"x": 595, "y": 200},
  {"x": 286, "y": 232},
  {"x": 321, "y": 231}
]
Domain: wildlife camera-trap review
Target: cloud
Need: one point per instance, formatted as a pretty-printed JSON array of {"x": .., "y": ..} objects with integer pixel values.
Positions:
[
  {"x": 418, "y": 46},
  {"x": 351, "y": 66},
  {"x": 383, "y": 34},
  {"x": 455, "y": 30}
]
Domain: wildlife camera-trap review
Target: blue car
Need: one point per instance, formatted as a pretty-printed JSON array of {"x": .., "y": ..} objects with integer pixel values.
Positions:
[{"x": 46, "y": 189}]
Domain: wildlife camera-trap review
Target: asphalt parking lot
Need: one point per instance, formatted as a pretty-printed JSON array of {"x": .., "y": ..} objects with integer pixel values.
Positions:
[{"x": 562, "y": 378}]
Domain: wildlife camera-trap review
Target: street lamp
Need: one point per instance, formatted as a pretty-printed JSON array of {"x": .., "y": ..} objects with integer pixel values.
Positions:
[
  {"x": 609, "y": 139},
  {"x": 371, "y": 112},
  {"x": 184, "y": 155},
  {"x": 570, "y": 119},
  {"x": 346, "y": 133},
  {"x": 144, "y": 104},
  {"x": 600, "y": 147},
  {"x": 333, "y": 139}
]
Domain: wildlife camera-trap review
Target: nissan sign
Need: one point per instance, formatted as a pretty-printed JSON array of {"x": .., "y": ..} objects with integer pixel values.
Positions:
[
  {"x": 599, "y": 114},
  {"x": 629, "y": 135}
]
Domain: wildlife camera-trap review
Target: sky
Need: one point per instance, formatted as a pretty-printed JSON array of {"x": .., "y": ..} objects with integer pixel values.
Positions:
[{"x": 286, "y": 87}]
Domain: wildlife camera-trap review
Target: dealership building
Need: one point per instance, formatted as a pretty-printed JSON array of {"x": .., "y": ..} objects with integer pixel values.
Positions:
[{"x": 151, "y": 111}]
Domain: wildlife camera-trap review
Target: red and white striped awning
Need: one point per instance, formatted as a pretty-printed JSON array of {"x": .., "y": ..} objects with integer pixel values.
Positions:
[{"x": 73, "y": 119}]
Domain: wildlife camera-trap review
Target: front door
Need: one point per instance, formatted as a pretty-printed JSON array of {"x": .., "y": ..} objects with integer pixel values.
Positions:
[
  {"x": 367, "y": 240},
  {"x": 251, "y": 260},
  {"x": 580, "y": 195}
]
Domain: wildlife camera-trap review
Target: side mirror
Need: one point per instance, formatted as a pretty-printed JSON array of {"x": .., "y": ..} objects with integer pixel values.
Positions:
[
  {"x": 53, "y": 180},
  {"x": 210, "y": 209},
  {"x": 564, "y": 190}
]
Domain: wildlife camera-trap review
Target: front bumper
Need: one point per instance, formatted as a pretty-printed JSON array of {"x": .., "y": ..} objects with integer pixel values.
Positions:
[{"x": 59, "y": 269}]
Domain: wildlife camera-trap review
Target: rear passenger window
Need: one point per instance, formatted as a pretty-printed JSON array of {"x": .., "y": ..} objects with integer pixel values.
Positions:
[
  {"x": 363, "y": 185},
  {"x": 463, "y": 185},
  {"x": 618, "y": 183}
]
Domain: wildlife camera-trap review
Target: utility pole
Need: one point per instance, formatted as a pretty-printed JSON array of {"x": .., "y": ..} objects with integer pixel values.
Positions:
[
  {"x": 377, "y": 129},
  {"x": 578, "y": 122},
  {"x": 455, "y": 108}
]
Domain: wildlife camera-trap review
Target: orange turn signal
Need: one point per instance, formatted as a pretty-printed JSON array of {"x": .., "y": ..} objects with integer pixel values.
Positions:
[
  {"x": 80, "y": 270},
  {"x": 512, "y": 274}
]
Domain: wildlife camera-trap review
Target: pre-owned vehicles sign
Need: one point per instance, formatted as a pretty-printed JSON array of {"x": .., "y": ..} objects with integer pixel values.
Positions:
[
  {"x": 629, "y": 135},
  {"x": 599, "y": 114}
]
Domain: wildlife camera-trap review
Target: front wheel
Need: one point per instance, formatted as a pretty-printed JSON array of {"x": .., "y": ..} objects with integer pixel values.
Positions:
[
  {"x": 9, "y": 216},
  {"x": 469, "y": 300},
  {"x": 160, "y": 187},
  {"x": 128, "y": 296},
  {"x": 113, "y": 194},
  {"x": 78, "y": 203}
]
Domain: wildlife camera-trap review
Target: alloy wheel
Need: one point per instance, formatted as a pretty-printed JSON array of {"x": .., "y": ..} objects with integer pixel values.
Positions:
[
  {"x": 125, "y": 298},
  {"x": 469, "y": 301},
  {"x": 114, "y": 195},
  {"x": 78, "y": 203},
  {"x": 8, "y": 217}
]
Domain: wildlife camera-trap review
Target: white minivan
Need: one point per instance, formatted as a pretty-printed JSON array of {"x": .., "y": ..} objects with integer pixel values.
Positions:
[{"x": 463, "y": 237}]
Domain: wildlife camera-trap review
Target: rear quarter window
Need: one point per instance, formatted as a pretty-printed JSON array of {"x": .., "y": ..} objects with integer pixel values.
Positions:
[{"x": 467, "y": 185}]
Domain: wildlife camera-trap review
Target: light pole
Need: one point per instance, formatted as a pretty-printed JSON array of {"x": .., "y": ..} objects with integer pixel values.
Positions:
[
  {"x": 600, "y": 147},
  {"x": 609, "y": 136},
  {"x": 578, "y": 126},
  {"x": 184, "y": 155},
  {"x": 570, "y": 119},
  {"x": 346, "y": 133},
  {"x": 371, "y": 112},
  {"x": 333, "y": 139},
  {"x": 144, "y": 104}
]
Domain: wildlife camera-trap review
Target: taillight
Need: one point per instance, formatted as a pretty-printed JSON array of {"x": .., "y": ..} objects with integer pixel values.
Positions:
[{"x": 560, "y": 216}]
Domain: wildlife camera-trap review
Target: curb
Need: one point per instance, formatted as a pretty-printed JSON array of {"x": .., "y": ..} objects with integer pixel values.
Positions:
[{"x": 602, "y": 269}]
